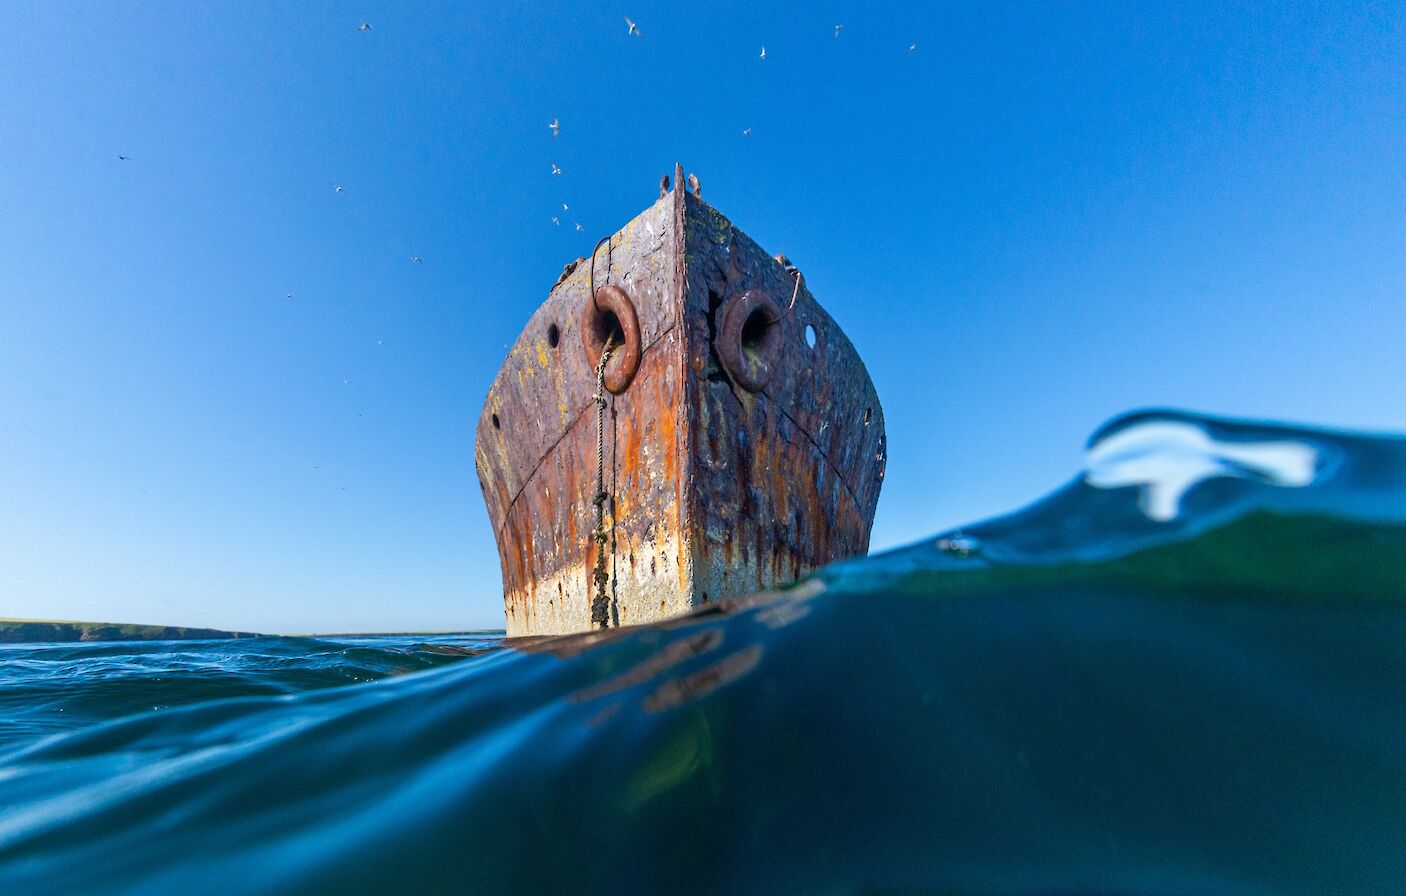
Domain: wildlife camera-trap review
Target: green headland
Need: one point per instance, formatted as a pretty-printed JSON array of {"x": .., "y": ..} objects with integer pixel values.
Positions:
[{"x": 28, "y": 631}]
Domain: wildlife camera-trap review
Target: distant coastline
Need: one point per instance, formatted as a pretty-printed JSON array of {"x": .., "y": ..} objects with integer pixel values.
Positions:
[
  {"x": 31, "y": 631},
  {"x": 55, "y": 631}
]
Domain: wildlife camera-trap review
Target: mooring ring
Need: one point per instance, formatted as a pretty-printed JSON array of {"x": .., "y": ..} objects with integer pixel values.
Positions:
[
  {"x": 611, "y": 313},
  {"x": 749, "y": 343}
]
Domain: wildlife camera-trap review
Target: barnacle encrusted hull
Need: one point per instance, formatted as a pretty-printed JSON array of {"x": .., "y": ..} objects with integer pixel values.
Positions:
[{"x": 743, "y": 443}]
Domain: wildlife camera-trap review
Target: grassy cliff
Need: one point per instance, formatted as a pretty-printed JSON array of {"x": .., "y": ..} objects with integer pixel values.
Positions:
[{"x": 28, "y": 631}]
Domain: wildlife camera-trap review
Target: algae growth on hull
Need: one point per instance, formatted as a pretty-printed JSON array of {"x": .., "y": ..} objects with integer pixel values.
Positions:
[{"x": 1184, "y": 672}]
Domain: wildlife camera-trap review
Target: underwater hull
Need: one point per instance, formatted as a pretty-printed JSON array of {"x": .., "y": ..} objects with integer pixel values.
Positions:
[{"x": 736, "y": 454}]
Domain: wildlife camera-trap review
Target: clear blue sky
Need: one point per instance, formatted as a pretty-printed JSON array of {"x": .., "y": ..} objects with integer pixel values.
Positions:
[{"x": 1043, "y": 216}]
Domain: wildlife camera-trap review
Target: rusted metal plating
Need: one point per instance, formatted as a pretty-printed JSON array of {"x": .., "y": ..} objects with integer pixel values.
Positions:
[{"x": 744, "y": 443}]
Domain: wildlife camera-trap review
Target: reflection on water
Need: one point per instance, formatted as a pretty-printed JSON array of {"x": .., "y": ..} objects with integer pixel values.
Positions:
[{"x": 1166, "y": 458}]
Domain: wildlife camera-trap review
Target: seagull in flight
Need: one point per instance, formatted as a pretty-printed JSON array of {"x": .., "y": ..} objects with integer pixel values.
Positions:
[
  {"x": 338, "y": 188},
  {"x": 912, "y": 47},
  {"x": 555, "y": 169},
  {"x": 565, "y": 207},
  {"x": 555, "y": 221},
  {"x": 415, "y": 258},
  {"x": 634, "y": 29},
  {"x": 125, "y": 158},
  {"x": 746, "y": 132},
  {"x": 288, "y": 295},
  {"x": 364, "y": 26},
  {"x": 838, "y": 29},
  {"x": 579, "y": 227},
  {"x": 763, "y": 52},
  {"x": 555, "y": 126}
]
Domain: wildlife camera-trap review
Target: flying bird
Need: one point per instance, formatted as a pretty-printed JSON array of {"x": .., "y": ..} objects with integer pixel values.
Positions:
[
  {"x": 415, "y": 258},
  {"x": 633, "y": 28},
  {"x": 288, "y": 295},
  {"x": 338, "y": 188},
  {"x": 694, "y": 186},
  {"x": 579, "y": 227},
  {"x": 125, "y": 158},
  {"x": 555, "y": 169},
  {"x": 746, "y": 132},
  {"x": 555, "y": 221},
  {"x": 364, "y": 26},
  {"x": 763, "y": 52},
  {"x": 555, "y": 126},
  {"x": 838, "y": 29},
  {"x": 912, "y": 47},
  {"x": 565, "y": 207}
]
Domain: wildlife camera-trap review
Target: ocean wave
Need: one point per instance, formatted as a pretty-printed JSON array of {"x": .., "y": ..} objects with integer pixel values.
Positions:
[{"x": 1183, "y": 672}]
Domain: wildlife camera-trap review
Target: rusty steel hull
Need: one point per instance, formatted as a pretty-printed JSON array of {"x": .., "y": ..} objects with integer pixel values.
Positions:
[{"x": 737, "y": 456}]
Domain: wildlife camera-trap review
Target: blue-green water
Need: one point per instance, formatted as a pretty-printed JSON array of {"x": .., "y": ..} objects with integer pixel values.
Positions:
[{"x": 1185, "y": 672}]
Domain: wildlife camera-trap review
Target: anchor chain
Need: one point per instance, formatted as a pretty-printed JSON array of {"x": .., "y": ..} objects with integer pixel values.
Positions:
[{"x": 600, "y": 604}]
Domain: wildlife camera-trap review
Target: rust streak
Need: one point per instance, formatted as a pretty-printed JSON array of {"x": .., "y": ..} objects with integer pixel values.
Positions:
[
  {"x": 838, "y": 472},
  {"x": 574, "y": 421}
]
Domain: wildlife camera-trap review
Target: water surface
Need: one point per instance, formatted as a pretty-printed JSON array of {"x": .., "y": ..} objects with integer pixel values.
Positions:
[{"x": 1184, "y": 672}]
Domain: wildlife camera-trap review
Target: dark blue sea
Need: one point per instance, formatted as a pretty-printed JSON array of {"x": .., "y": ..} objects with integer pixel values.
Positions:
[{"x": 1184, "y": 672}]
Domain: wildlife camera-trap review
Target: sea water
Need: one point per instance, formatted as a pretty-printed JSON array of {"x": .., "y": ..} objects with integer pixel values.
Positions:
[{"x": 1185, "y": 672}]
